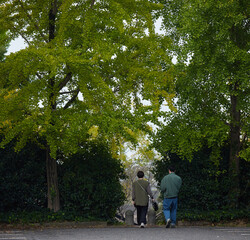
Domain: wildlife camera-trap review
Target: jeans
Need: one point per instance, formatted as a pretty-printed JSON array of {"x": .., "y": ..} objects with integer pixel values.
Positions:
[
  {"x": 170, "y": 209},
  {"x": 141, "y": 214}
]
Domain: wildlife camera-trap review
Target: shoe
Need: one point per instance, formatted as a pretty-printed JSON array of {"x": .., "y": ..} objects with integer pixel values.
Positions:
[
  {"x": 168, "y": 223},
  {"x": 172, "y": 226},
  {"x": 142, "y": 225}
]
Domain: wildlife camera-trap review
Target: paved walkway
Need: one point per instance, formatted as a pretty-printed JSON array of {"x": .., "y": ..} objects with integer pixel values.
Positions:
[{"x": 126, "y": 233}]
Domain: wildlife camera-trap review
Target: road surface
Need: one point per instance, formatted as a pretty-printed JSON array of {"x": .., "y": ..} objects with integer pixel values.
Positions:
[{"x": 130, "y": 233}]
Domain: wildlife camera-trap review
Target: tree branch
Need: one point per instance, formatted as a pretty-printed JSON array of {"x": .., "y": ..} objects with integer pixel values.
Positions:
[
  {"x": 36, "y": 26},
  {"x": 73, "y": 91},
  {"x": 65, "y": 80},
  {"x": 67, "y": 105},
  {"x": 22, "y": 35}
]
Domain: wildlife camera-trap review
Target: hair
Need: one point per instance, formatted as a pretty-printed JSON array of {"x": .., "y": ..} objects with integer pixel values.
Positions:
[
  {"x": 140, "y": 174},
  {"x": 171, "y": 168}
]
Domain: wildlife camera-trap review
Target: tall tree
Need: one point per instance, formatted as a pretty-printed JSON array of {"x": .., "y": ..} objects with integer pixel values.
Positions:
[
  {"x": 86, "y": 69},
  {"x": 213, "y": 90}
]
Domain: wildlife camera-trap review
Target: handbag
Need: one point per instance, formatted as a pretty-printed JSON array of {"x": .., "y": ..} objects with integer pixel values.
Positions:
[{"x": 154, "y": 203}]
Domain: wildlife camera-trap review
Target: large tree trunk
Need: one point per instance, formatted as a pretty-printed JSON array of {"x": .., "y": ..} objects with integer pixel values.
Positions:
[
  {"x": 51, "y": 164},
  {"x": 238, "y": 36},
  {"x": 234, "y": 151},
  {"x": 52, "y": 183}
]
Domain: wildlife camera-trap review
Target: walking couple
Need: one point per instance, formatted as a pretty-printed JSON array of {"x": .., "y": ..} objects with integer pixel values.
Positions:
[{"x": 170, "y": 186}]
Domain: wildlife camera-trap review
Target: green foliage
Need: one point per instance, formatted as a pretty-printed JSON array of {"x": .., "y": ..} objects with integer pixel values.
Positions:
[
  {"x": 23, "y": 178},
  {"x": 211, "y": 43},
  {"x": 90, "y": 182},
  {"x": 4, "y": 43},
  {"x": 214, "y": 216},
  {"x": 205, "y": 184},
  {"x": 212, "y": 84},
  {"x": 87, "y": 64},
  {"x": 42, "y": 216},
  {"x": 89, "y": 67}
]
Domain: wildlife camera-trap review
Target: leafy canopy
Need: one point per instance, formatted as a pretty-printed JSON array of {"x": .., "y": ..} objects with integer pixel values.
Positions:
[
  {"x": 86, "y": 69},
  {"x": 212, "y": 47}
]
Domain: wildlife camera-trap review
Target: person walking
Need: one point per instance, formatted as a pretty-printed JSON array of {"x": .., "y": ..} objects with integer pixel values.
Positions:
[
  {"x": 140, "y": 191},
  {"x": 170, "y": 186}
]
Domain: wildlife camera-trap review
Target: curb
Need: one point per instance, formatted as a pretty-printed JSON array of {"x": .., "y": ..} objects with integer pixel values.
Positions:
[
  {"x": 96, "y": 224},
  {"x": 53, "y": 225}
]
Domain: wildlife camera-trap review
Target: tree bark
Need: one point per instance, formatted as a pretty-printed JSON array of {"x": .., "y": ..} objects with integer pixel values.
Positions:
[
  {"x": 238, "y": 36},
  {"x": 234, "y": 168},
  {"x": 52, "y": 183}
]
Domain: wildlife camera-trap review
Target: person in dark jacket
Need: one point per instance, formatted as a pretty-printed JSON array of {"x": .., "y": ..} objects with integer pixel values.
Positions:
[
  {"x": 170, "y": 186},
  {"x": 140, "y": 191}
]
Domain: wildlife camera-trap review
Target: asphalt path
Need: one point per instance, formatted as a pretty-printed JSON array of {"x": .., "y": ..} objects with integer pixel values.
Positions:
[{"x": 131, "y": 233}]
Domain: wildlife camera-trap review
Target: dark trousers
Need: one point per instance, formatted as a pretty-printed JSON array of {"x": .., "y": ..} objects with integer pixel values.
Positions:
[{"x": 141, "y": 214}]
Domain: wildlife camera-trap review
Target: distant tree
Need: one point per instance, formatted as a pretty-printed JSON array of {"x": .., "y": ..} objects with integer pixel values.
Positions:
[
  {"x": 140, "y": 158},
  {"x": 83, "y": 75}
]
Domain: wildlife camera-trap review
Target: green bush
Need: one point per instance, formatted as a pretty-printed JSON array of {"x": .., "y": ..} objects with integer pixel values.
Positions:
[
  {"x": 42, "y": 216},
  {"x": 90, "y": 182},
  {"x": 205, "y": 185},
  {"x": 214, "y": 216},
  {"x": 23, "y": 178}
]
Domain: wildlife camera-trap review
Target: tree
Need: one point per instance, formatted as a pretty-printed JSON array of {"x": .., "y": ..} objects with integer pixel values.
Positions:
[
  {"x": 86, "y": 69},
  {"x": 213, "y": 100}
]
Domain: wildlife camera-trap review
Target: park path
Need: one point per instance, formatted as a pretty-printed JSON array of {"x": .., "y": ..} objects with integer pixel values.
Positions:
[{"x": 130, "y": 233}]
